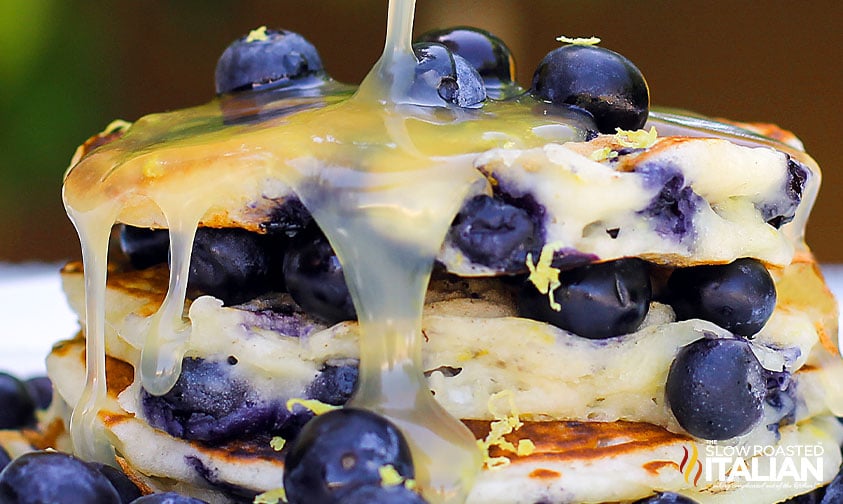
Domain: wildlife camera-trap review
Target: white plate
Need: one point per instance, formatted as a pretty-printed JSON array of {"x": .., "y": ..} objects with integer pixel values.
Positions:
[{"x": 35, "y": 314}]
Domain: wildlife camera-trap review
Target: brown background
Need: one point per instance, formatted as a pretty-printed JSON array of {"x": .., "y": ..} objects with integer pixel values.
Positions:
[{"x": 754, "y": 61}]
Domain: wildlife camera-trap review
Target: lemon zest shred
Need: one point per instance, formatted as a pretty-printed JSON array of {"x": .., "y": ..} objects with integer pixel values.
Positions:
[
  {"x": 525, "y": 447},
  {"x": 543, "y": 275},
  {"x": 116, "y": 125},
  {"x": 507, "y": 420},
  {"x": 316, "y": 406},
  {"x": 509, "y": 409},
  {"x": 271, "y": 497},
  {"x": 603, "y": 154},
  {"x": 389, "y": 476},
  {"x": 277, "y": 443},
  {"x": 153, "y": 169},
  {"x": 578, "y": 40},
  {"x": 639, "y": 139},
  {"x": 257, "y": 35},
  {"x": 497, "y": 431}
]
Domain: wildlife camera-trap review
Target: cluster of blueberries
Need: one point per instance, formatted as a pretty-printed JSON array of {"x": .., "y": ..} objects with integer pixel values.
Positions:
[
  {"x": 210, "y": 405},
  {"x": 600, "y": 301},
  {"x": 40, "y": 477},
  {"x": 19, "y": 399},
  {"x": 459, "y": 66}
]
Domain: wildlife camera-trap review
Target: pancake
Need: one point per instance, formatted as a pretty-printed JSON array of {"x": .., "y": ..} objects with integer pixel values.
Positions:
[{"x": 729, "y": 194}]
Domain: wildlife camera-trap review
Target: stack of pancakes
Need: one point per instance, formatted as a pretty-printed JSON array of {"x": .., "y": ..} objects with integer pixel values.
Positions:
[{"x": 562, "y": 418}]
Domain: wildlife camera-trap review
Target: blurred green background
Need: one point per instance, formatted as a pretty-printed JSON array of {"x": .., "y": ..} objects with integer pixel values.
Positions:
[{"x": 68, "y": 67}]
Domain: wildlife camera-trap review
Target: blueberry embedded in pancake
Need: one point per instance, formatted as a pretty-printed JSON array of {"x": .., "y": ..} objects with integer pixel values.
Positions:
[
  {"x": 701, "y": 378},
  {"x": 596, "y": 301},
  {"x": 495, "y": 234},
  {"x": 739, "y": 296}
]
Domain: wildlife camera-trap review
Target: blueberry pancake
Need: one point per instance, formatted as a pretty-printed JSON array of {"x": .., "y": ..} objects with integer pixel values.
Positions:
[{"x": 613, "y": 296}]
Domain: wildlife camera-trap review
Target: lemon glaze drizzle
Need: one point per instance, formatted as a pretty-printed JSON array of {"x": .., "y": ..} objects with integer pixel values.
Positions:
[
  {"x": 386, "y": 225},
  {"x": 383, "y": 179}
]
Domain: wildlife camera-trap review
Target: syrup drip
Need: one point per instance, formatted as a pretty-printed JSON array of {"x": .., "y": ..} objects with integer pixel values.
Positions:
[
  {"x": 93, "y": 227},
  {"x": 387, "y": 271},
  {"x": 167, "y": 331},
  {"x": 388, "y": 268},
  {"x": 383, "y": 179}
]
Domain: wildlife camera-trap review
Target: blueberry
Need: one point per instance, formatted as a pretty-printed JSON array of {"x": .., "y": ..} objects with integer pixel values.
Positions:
[
  {"x": 41, "y": 390},
  {"x": 834, "y": 490},
  {"x": 781, "y": 397},
  {"x": 377, "y": 494},
  {"x": 666, "y": 498},
  {"x": 5, "y": 458},
  {"x": 595, "y": 79},
  {"x": 167, "y": 498},
  {"x": 340, "y": 451},
  {"x": 780, "y": 213},
  {"x": 797, "y": 176},
  {"x": 211, "y": 475},
  {"x": 596, "y": 301},
  {"x": 441, "y": 76},
  {"x": 126, "y": 489},
  {"x": 814, "y": 497},
  {"x": 233, "y": 265},
  {"x": 739, "y": 296},
  {"x": 573, "y": 117},
  {"x": 334, "y": 385},
  {"x": 292, "y": 427},
  {"x": 716, "y": 388},
  {"x": 493, "y": 233},
  {"x": 314, "y": 278},
  {"x": 17, "y": 407},
  {"x": 207, "y": 404},
  {"x": 288, "y": 219},
  {"x": 54, "y": 477},
  {"x": 268, "y": 58},
  {"x": 485, "y": 52},
  {"x": 144, "y": 247},
  {"x": 672, "y": 209}
]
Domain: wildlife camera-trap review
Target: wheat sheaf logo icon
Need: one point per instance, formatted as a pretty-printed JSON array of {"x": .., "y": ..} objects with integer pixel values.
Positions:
[{"x": 690, "y": 466}]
